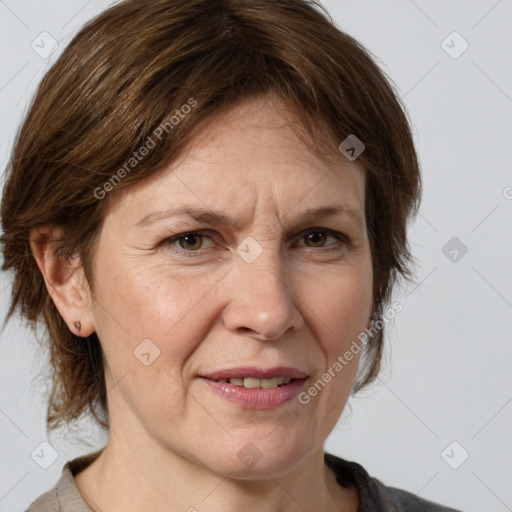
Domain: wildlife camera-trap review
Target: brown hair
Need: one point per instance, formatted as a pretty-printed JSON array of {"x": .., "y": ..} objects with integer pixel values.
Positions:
[{"x": 123, "y": 77}]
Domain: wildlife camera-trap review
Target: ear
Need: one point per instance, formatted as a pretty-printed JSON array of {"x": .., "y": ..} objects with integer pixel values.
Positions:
[{"x": 65, "y": 280}]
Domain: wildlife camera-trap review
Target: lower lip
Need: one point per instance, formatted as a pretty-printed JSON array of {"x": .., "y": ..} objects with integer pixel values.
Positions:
[{"x": 256, "y": 398}]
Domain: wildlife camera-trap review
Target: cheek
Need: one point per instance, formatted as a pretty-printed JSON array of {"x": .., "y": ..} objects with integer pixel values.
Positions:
[
  {"x": 340, "y": 305},
  {"x": 338, "y": 308},
  {"x": 139, "y": 300},
  {"x": 341, "y": 301}
]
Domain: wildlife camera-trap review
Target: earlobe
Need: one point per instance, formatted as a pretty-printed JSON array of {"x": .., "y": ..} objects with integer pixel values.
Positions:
[{"x": 64, "y": 279}]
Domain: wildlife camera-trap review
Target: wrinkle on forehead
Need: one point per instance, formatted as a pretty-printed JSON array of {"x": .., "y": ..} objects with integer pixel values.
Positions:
[{"x": 240, "y": 139}]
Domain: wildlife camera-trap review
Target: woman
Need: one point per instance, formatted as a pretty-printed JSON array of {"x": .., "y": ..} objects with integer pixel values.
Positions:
[{"x": 207, "y": 207}]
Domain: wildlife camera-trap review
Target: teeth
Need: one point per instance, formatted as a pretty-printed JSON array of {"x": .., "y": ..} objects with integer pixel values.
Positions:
[
  {"x": 266, "y": 383},
  {"x": 252, "y": 383}
]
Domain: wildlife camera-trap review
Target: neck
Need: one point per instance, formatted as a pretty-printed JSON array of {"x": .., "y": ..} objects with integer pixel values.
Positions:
[{"x": 142, "y": 475}]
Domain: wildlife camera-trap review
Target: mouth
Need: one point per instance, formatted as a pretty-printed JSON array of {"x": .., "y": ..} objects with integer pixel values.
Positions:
[
  {"x": 254, "y": 377},
  {"x": 256, "y": 388},
  {"x": 255, "y": 383}
]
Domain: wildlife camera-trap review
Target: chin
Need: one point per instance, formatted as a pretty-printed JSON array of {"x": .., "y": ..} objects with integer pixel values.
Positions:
[{"x": 257, "y": 460}]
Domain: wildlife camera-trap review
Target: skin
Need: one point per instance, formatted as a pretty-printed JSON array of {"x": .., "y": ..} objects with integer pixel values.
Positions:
[{"x": 173, "y": 443}]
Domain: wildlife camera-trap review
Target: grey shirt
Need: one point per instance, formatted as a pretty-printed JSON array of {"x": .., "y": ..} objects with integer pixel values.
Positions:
[{"x": 374, "y": 496}]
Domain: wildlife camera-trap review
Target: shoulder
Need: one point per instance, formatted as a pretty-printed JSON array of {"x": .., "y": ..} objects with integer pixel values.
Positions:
[
  {"x": 58, "y": 495},
  {"x": 61, "y": 498},
  {"x": 65, "y": 495},
  {"x": 374, "y": 495},
  {"x": 48, "y": 502}
]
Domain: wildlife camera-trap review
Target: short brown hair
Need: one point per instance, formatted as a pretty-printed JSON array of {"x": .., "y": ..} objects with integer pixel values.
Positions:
[{"x": 124, "y": 75}]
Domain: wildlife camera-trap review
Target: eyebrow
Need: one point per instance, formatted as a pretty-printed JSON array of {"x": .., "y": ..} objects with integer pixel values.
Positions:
[{"x": 217, "y": 218}]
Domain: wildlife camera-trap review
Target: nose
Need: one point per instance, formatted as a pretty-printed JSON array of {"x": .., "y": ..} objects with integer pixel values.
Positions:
[{"x": 262, "y": 300}]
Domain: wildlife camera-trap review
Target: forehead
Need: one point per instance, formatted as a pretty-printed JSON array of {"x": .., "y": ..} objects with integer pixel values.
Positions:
[
  {"x": 263, "y": 123},
  {"x": 251, "y": 154}
]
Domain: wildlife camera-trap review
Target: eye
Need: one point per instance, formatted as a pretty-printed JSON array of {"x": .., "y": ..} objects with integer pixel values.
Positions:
[
  {"x": 318, "y": 236},
  {"x": 190, "y": 242}
]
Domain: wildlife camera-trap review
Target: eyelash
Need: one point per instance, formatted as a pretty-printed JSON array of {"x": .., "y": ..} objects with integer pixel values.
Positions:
[{"x": 169, "y": 242}]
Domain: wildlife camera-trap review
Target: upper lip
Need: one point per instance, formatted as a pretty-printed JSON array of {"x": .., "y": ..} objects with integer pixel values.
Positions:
[{"x": 256, "y": 373}]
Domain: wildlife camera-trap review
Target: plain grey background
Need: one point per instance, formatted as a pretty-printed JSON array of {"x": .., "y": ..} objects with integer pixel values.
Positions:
[{"x": 438, "y": 421}]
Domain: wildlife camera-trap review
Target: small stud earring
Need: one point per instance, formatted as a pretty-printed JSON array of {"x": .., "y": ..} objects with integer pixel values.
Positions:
[{"x": 77, "y": 325}]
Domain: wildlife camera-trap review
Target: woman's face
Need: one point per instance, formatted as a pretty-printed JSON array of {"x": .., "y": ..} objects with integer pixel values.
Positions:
[{"x": 269, "y": 287}]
